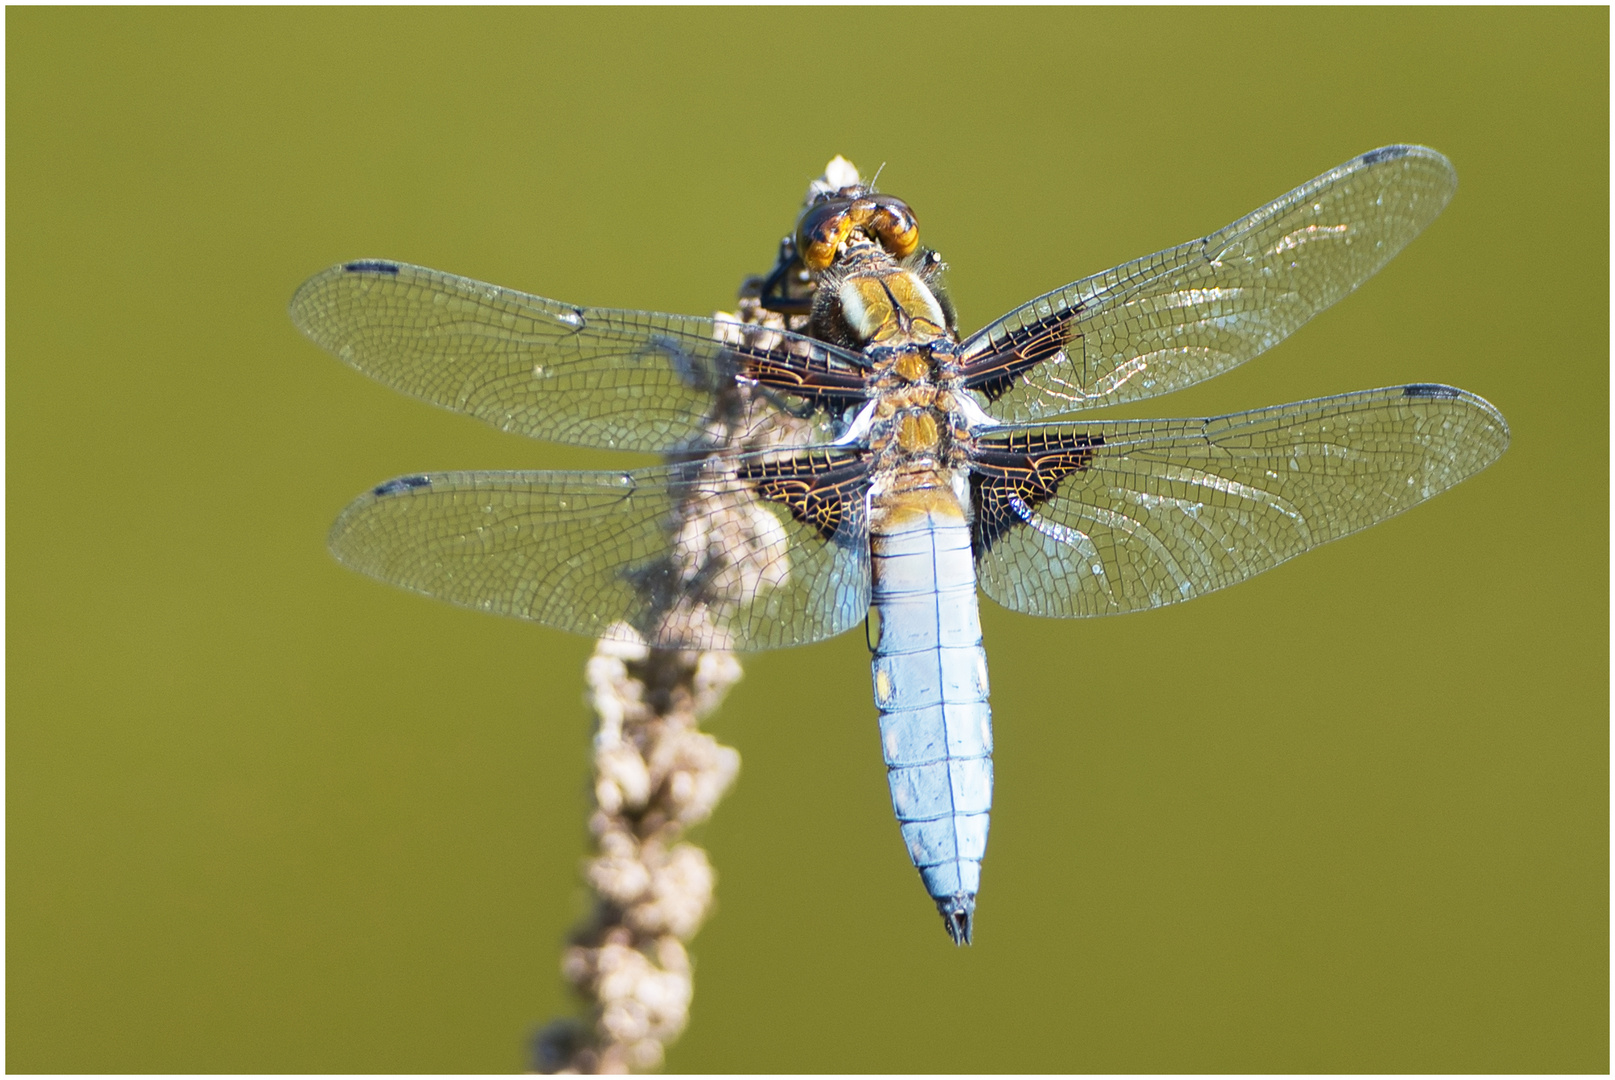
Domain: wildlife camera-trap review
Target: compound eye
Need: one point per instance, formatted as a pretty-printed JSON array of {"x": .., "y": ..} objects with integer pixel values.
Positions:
[
  {"x": 822, "y": 229},
  {"x": 895, "y": 225}
]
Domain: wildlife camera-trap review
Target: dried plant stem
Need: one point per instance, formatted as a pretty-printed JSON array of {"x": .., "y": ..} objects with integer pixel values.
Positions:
[{"x": 655, "y": 775}]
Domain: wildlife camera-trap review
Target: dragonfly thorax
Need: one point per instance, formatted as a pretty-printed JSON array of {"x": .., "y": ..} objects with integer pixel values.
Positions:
[
  {"x": 870, "y": 298},
  {"x": 916, "y": 429},
  {"x": 889, "y": 307}
]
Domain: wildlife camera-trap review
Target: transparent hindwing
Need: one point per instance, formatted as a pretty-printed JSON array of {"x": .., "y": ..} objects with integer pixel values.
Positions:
[
  {"x": 1106, "y": 517},
  {"x": 744, "y": 552}
]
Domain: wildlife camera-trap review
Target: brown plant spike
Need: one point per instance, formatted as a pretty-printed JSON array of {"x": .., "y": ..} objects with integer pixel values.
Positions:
[{"x": 655, "y": 776}]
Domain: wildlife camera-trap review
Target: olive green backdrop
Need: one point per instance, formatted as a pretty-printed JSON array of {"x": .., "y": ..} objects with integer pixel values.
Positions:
[{"x": 264, "y": 814}]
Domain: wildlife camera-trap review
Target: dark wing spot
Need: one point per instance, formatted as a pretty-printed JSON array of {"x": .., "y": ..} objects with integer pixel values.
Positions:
[
  {"x": 1431, "y": 390},
  {"x": 401, "y": 485},
  {"x": 1385, "y": 153},
  {"x": 1025, "y": 468},
  {"x": 818, "y": 488},
  {"x": 370, "y": 266}
]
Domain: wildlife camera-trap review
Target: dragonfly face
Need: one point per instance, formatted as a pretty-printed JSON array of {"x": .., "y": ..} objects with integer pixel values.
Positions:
[{"x": 842, "y": 451}]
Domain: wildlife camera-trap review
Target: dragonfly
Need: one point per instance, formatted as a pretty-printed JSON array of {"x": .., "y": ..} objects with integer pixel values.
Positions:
[{"x": 840, "y": 454}]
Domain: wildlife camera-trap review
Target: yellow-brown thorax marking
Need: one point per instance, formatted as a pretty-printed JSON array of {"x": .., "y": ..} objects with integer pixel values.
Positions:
[
  {"x": 917, "y": 432},
  {"x": 913, "y": 423},
  {"x": 889, "y": 306}
]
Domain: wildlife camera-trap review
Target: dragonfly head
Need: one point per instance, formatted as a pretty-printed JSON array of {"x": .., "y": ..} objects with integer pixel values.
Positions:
[{"x": 852, "y": 213}]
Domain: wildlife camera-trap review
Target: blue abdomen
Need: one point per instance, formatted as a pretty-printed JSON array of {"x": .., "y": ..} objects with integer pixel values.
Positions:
[{"x": 930, "y": 676}]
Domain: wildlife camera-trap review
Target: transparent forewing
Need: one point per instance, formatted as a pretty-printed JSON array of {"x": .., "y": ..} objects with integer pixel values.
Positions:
[
  {"x": 628, "y": 380},
  {"x": 682, "y": 555},
  {"x": 1151, "y": 512},
  {"x": 1175, "y": 318}
]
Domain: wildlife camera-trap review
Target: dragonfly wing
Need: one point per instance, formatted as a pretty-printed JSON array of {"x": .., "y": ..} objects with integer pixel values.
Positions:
[
  {"x": 627, "y": 380},
  {"x": 1107, "y": 517},
  {"x": 1178, "y": 317},
  {"x": 758, "y": 552}
]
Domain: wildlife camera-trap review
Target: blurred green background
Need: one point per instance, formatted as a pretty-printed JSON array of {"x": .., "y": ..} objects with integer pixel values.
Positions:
[{"x": 267, "y": 815}]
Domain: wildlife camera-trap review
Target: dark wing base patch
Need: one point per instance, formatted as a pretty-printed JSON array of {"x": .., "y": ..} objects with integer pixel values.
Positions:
[
  {"x": 1013, "y": 474},
  {"x": 828, "y": 386},
  {"x": 819, "y": 488},
  {"x": 1023, "y": 349}
]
